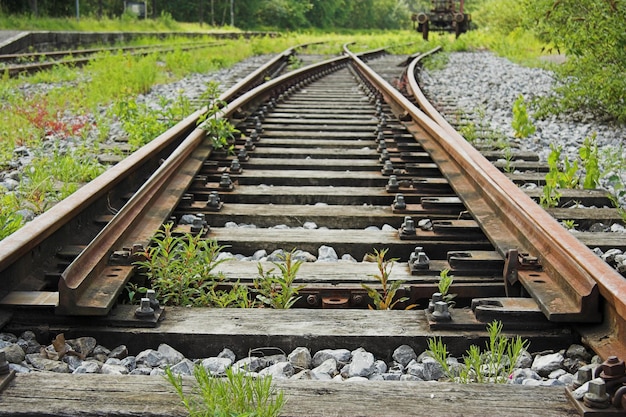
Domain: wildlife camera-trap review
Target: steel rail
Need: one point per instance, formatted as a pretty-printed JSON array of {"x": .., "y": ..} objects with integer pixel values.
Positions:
[
  {"x": 90, "y": 284},
  {"x": 572, "y": 265},
  {"x": 27, "y": 240},
  {"x": 491, "y": 199},
  {"x": 88, "y": 51},
  {"x": 15, "y": 70},
  {"x": 486, "y": 193}
]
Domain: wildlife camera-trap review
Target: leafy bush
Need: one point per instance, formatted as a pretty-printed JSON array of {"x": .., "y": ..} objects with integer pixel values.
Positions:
[
  {"x": 592, "y": 33},
  {"x": 278, "y": 291}
]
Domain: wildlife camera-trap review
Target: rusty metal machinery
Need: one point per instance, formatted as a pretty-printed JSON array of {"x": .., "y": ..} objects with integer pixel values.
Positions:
[{"x": 444, "y": 16}]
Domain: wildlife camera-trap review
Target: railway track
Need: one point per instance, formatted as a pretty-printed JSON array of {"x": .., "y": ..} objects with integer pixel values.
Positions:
[
  {"x": 30, "y": 63},
  {"x": 335, "y": 157}
]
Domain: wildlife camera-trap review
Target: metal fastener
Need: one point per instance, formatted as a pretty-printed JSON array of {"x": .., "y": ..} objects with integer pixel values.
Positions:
[
  {"x": 612, "y": 368},
  {"x": 392, "y": 184},
  {"x": 225, "y": 181},
  {"x": 435, "y": 298},
  {"x": 408, "y": 227},
  {"x": 441, "y": 312},
  {"x": 384, "y": 156},
  {"x": 311, "y": 300},
  {"x": 584, "y": 374},
  {"x": 387, "y": 168},
  {"x": 596, "y": 396},
  {"x": 249, "y": 145},
  {"x": 382, "y": 145},
  {"x": 144, "y": 310},
  {"x": 214, "y": 200},
  {"x": 242, "y": 155},
  {"x": 154, "y": 303},
  {"x": 418, "y": 260},
  {"x": 235, "y": 166},
  {"x": 399, "y": 203},
  {"x": 254, "y": 135}
]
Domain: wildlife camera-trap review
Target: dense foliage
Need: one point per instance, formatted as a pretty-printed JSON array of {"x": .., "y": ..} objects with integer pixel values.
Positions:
[
  {"x": 245, "y": 14},
  {"x": 592, "y": 34}
]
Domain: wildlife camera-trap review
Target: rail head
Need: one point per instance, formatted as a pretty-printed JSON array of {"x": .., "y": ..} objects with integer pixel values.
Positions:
[
  {"x": 576, "y": 298},
  {"x": 91, "y": 270},
  {"x": 575, "y": 268}
]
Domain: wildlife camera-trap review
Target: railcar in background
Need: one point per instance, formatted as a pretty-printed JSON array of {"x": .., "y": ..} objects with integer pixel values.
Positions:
[{"x": 444, "y": 16}]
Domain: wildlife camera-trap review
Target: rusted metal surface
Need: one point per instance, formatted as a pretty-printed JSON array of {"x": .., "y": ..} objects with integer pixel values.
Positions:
[
  {"x": 89, "y": 286},
  {"x": 574, "y": 276},
  {"x": 26, "y": 246}
]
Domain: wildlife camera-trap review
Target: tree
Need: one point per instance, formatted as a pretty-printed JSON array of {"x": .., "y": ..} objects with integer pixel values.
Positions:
[{"x": 592, "y": 33}]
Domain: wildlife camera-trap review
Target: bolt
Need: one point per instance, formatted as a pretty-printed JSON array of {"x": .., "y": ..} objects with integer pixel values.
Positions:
[
  {"x": 258, "y": 127},
  {"x": 392, "y": 184},
  {"x": 408, "y": 227},
  {"x": 144, "y": 309},
  {"x": 154, "y": 303},
  {"x": 254, "y": 135},
  {"x": 225, "y": 181},
  {"x": 137, "y": 248},
  {"x": 384, "y": 156},
  {"x": 312, "y": 300},
  {"x": 357, "y": 299},
  {"x": 387, "y": 168},
  {"x": 399, "y": 203},
  {"x": 613, "y": 368},
  {"x": 235, "y": 166},
  {"x": 431, "y": 303},
  {"x": 583, "y": 375},
  {"x": 441, "y": 312},
  {"x": 596, "y": 396},
  {"x": 4, "y": 365},
  {"x": 242, "y": 155},
  {"x": 418, "y": 259},
  {"x": 380, "y": 137},
  {"x": 249, "y": 144},
  {"x": 214, "y": 200},
  {"x": 382, "y": 145},
  {"x": 198, "y": 225}
]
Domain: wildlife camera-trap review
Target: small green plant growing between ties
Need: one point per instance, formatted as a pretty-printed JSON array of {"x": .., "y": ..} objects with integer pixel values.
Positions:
[
  {"x": 219, "y": 130},
  {"x": 277, "y": 290},
  {"x": 443, "y": 286},
  {"x": 236, "y": 395},
  {"x": 384, "y": 299},
  {"x": 494, "y": 365},
  {"x": 180, "y": 268},
  {"x": 522, "y": 124}
]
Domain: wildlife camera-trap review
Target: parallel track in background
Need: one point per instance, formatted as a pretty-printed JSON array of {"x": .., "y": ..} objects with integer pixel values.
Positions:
[{"x": 335, "y": 145}]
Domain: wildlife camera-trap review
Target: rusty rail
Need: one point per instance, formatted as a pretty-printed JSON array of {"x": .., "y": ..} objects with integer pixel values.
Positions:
[
  {"x": 90, "y": 284},
  {"x": 573, "y": 271},
  {"x": 28, "y": 239},
  {"x": 568, "y": 284}
]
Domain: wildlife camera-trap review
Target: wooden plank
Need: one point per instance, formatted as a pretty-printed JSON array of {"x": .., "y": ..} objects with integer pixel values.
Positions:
[
  {"x": 330, "y": 216},
  {"x": 39, "y": 394},
  {"x": 355, "y": 242},
  {"x": 348, "y": 272}
]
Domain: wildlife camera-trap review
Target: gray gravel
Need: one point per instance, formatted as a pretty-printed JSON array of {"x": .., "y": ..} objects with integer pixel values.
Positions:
[
  {"x": 83, "y": 355},
  {"x": 486, "y": 86}
]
